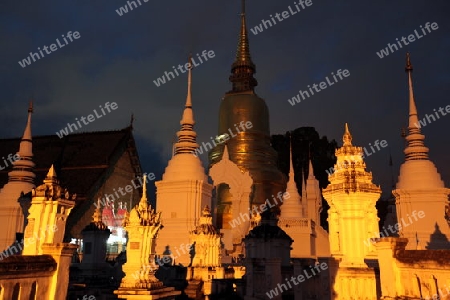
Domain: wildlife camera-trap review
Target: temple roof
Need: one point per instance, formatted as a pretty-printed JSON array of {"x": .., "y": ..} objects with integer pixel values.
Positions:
[
  {"x": 350, "y": 173},
  {"x": 83, "y": 162},
  {"x": 79, "y": 159}
]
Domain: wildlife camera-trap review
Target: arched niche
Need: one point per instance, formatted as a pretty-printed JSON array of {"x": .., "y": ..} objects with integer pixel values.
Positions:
[{"x": 232, "y": 203}]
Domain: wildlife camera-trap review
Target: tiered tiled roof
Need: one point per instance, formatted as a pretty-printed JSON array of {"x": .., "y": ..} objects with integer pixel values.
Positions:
[{"x": 83, "y": 161}]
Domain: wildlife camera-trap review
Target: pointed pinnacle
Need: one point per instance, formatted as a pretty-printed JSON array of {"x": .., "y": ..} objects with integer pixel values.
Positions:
[
  {"x": 311, "y": 169},
  {"x": 51, "y": 172},
  {"x": 30, "y": 106},
  {"x": 409, "y": 66},
  {"x": 347, "y": 138},
  {"x": 189, "y": 96},
  {"x": 225, "y": 154},
  {"x": 291, "y": 164}
]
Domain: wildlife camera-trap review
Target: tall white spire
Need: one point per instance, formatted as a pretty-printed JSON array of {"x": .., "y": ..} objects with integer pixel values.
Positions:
[
  {"x": 184, "y": 188},
  {"x": 185, "y": 163},
  {"x": 292, "y": 205},
  {"x": 188, "y": 115},
  {"x": 21, "y": 181},
  {"x": 303, "y": 185},
  {"x": 415, "y": 150},
  {"x": 187, "y": 136},
  {"x": 311, "y": 170},
  {"x": 312, "y": 207},
  {"x": 420, "y": 186},
  {"x": 313, "y": 197},
  {"x": 23, "y": 167}
]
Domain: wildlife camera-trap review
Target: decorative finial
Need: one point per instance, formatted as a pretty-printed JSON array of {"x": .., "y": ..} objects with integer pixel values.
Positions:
[
  {"x": 51, "y": 177},
  {"x": 27, "y": 132},
  {"x": 413, "y": 119},
  {"x": 409, "y": 66},
  {"x": 347, "y": 138},
  {"x": 311, "y": 169},
  {"x": 30, "y": 106},
  {"x": 144, "y": 187},
  {"x": 415, "y": 149},
  {"x": 225, "y": 154},
  {"x": 243, "y": 68},
  {"x": 143, "y": 203},
  {"x": 187, "y": 136},
  {"x": 97, "y": 217},
  {"x": 291, "y": 163},
  {"x": 23, "y": 167},
  {"x": 51, "y": 173},
  {"x": 189, "y": 97}
]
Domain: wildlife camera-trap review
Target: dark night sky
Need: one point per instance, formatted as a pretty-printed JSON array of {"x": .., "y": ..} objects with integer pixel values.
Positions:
[{"x": 118, "y": 57}]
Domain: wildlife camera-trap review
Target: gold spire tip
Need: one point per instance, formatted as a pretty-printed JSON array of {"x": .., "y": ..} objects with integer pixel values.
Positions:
[
  {"x": 347, "y": 138},
  {"x": 190, "y": 60},
  {"x": 30, "y": 106},
  {"x": 409, "y": 66}
]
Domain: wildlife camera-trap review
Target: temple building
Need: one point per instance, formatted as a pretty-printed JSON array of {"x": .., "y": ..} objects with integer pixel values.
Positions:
[
  {"x": 20, "y": 182},
  {"x": 143, "y": 225},
  {"x": 299, "y": 216},
  {"x": 93, "y": 165},
  {"x": 246, "y": 150},
  {"x": 420, "y": 189},
  {"x": 42, "y": 220},
  {"x": 183, "y": 191},
  {"x": 353, "y": 222},
  {"x": 267, "y": 258},
  {"x": 241, "y": 229},
  {"x": 416, "y": 265},
  {"x": 41, "y": 272}
]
